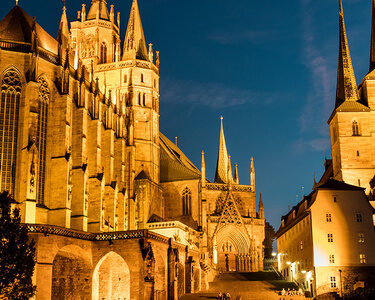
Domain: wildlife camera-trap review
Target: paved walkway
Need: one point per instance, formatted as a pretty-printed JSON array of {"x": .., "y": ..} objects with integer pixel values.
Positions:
[{"x": 246, "y": 286}]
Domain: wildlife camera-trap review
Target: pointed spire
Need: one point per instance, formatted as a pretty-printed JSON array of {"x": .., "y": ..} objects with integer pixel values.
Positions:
[
  {"x": 203, "y": 171},
  {"x": 346, "y": 85},
  {"x": 372, "y": 49},
  {"x": 135, "y": 43},
  {"x": 221, "y": 175},
  {"x": 63, "y": 34},
  {"x": 261, "y": 207},
  {"x": 98, "y": 10},
  {"x": 236, "y": 178},
  {"x": 230, "y": 173},
  {"x": 252, "y": 174}
]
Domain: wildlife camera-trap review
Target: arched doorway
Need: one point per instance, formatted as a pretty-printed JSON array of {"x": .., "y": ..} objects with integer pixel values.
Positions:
[
  {"x": 111, "y": 278},
  {"x": 71, "y": 274},
  {"x": 231, "y": 242}
]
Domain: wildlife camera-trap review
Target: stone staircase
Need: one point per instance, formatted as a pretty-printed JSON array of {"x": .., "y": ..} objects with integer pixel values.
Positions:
[{"x": 247, "y": 286}]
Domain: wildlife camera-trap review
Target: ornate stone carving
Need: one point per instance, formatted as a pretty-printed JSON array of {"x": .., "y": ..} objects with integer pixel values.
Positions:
[{"x": 148, "y": 259}]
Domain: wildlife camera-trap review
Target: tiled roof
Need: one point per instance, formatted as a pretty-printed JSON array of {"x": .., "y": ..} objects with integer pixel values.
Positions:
[
  {"x": 301, "y": 209},
  {"x": 174, "y": 165},
  {"x": 17, "y": 26}
]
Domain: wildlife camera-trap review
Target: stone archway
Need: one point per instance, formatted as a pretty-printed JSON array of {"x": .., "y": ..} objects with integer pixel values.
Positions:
[
  {"x": 231, "y": 242},
  {"x": 111, "y": 278},
  {"x": 71, "y": 271}
]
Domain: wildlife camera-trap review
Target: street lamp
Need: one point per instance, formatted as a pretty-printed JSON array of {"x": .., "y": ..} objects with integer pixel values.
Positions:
[{"x": 340, "y": 271}]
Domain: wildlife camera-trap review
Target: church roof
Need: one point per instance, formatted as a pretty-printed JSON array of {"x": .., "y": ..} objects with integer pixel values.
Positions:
[
  {"x": 101, "y": 6},
  {"x": 174, "y": 165},
  {"x": 346, "y": 89},
  {"x": 17, "y": 26}
]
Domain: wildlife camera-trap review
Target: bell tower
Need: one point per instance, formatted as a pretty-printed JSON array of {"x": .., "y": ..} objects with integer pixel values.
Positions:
[{"x": 96, "y": 34}]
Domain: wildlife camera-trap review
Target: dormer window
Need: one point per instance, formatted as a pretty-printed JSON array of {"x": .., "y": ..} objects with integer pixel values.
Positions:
[{"x": 355, "y": 128}]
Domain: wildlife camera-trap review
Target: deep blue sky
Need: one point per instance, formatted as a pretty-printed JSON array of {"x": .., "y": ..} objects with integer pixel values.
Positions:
[{"x": 267, "y": 66}]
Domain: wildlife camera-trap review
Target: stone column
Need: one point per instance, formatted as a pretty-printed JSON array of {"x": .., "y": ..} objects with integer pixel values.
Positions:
[
  {"x": 59, "y": 171},
  {"x": 79, "y": 170},
  {"x": 172, "y": 272}
]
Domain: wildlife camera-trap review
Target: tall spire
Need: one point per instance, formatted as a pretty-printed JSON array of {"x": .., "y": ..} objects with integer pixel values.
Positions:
[
  {"x": 252, "y": 174},
  {"x": 203, "y": 171},
  {"x": 63, "y": 33},
  {"x": 261, "y": 207},
  {"x": 221, "y": 174},
  {"x": 135, "y": 43},
  {"x": 236, "y": 178},
  {"x": 230, "y": 173},
  {"x": 372, "y": 49},
  {"x": 346, "y": 85}
]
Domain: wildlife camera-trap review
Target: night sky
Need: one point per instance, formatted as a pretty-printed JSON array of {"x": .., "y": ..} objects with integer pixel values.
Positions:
[{"x": 268, "y": 67}]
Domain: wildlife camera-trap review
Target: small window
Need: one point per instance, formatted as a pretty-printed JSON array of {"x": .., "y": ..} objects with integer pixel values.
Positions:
[
  {"x": 139, "y": 99},
  {"x": 357, "y": 152},
  {"x": 359, "y": 182},
  {"x": 154, "y": 83},
  {"x": 361, "y": 237},
  {"x": 332, "y": 259},
  {"x": 125, "y": 78},
  {"x": 301, "y": 245},
  {"x": 355, "y": 128},
  {"x": 328, "y": 217},
  {"x": 142, "y": 78},
  {"x": 330, "y": 238},
  {"x": 144, "y": 99},
  {"x": 362, "y": 258},
  {"x": 334, "y": 199},
  {"x": 333, "y": 282},
  {"x": 358, "y": 217}
]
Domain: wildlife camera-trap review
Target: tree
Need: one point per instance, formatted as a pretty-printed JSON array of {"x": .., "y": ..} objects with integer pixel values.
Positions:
[
  {"x": 268, "y": 240},
  {"x": 17, "y": 254}
]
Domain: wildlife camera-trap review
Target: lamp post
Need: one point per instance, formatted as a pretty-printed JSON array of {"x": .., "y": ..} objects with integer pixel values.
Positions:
[{"x": 340, "y": 271}]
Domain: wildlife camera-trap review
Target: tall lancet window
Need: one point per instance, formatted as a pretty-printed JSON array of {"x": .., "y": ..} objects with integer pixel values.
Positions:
[
  {"x": 41, "y": 138},
  {"x": 355, "y": 128},
  {"x": 103, "y": 53},
  {"x": 186, "y": 202},
  {"x": 9, "y": 111}
]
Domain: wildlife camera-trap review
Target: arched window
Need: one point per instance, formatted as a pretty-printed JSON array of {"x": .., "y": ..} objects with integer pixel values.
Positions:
[
  {"x": 9, "y": 111},
  {"x": 186, "y": 202},
  {"x": 144, "y": 99},
  {"x": 103, "y": 53},
  {"x": 139, "y": 99},
  {"x": 355, "y": 128},
  {"x": 41, "y": 138}
]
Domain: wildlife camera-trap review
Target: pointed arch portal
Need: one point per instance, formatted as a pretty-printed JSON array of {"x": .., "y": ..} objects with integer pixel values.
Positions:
[
  {"x": 230, "y": 243},
  {"x": 111, "y": 278}
]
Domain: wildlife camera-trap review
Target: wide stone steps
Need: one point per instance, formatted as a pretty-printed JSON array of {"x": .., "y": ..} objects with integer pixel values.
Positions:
[{"x": 247, "y": 286}]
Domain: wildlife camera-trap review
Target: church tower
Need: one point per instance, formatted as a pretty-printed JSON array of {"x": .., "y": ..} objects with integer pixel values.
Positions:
[
  {"x": 130, "y": 79},
  {"x": 351, "y": 123}
]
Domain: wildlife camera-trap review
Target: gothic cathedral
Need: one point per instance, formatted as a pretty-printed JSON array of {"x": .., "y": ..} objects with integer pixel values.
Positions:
[{"x": 103, "y": 193}]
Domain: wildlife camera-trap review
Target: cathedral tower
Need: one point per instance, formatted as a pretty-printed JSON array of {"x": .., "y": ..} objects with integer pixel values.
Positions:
[{"x": 351, "y": 124}]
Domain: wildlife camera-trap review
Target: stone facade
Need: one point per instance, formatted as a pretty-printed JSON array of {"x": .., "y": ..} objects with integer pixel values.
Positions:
[
  {"x": 326, "y": 242},
  {"x": 82, "y": 155}
]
